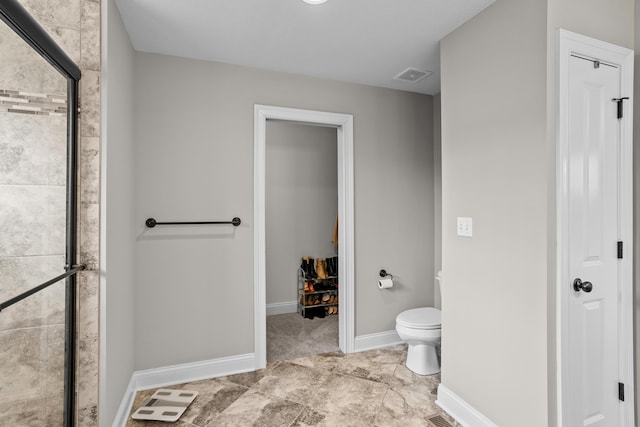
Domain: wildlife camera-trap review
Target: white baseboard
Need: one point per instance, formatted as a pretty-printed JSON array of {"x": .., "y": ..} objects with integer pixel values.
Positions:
[
  {"x": 282, "y": 308},
  {"x": 179, "y": 374},
  {"x": 125, "y": 406},
  {"x": 188, "y": 372},
  {"x": 460, "y": 410},
  {"x": 377, "y": 340}
]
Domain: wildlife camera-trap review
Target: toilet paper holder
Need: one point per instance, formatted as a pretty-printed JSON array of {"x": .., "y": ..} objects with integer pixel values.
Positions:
[{"x": 383, "y": 273}]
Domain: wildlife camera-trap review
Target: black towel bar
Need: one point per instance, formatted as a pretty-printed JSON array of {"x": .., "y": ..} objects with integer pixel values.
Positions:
[{"x": 151, "y": 222}]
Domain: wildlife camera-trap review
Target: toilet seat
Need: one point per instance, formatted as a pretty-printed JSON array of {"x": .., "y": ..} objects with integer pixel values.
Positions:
[{"x": 420, "y": 318}]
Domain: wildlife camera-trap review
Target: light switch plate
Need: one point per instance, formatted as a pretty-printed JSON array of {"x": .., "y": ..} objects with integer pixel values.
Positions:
[{"x": 465, "y": 227}]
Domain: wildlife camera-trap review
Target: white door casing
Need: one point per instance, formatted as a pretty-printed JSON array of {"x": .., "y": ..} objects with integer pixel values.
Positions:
[
  {"x": 594, "y": 177},
  {"x": 346, "y": 267}
]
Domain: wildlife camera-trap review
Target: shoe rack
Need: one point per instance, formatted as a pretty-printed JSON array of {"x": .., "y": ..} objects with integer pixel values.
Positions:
[{"x": 317, "y": 297}]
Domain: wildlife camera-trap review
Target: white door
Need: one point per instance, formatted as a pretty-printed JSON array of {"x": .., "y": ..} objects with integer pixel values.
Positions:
[{"x": 593, "y": 232}]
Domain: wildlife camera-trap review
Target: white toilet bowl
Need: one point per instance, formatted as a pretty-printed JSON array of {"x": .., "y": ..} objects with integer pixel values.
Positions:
[{"x": 420, "y": 327}]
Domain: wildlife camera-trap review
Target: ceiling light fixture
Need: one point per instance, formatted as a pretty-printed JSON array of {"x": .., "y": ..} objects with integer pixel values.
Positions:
[{"x": 315, "y": 1}]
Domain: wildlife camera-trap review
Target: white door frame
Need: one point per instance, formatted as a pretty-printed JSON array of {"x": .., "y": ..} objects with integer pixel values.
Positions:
[
  {"x": 571, "y": 43},
  {"x": 344, "y": 125}
]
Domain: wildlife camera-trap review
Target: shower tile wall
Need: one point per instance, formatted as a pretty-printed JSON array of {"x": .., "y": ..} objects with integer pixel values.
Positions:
[{"x": 75, "y": 26}]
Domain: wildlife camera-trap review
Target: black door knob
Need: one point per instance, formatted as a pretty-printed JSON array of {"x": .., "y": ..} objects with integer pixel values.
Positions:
[{"x": 579, "y": 285}]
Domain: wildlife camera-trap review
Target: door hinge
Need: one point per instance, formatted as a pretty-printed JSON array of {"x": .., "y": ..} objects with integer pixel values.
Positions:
[
  {"x": 621, "y": 392},
  {"x": 619, "y": 250},
  {"x": 620, "y": 105}
]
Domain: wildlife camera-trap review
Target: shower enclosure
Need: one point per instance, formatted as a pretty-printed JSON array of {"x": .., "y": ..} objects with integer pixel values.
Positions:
[{"x": 38, "y": 139}]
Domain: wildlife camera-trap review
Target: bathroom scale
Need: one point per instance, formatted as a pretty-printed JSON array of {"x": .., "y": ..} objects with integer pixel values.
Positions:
[{"x": 165, "y": 405}]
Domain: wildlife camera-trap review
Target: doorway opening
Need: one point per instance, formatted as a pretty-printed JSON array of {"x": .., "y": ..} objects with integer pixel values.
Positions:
[
  {"x": 342, "y": 125},
  {"x": 301, "y": 220}
]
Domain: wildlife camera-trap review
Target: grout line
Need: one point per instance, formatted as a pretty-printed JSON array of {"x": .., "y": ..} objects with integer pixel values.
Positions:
[{"x": 297, "y": 416}]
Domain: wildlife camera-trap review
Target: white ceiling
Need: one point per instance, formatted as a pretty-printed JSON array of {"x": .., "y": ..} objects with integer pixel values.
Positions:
[{"x": 361, "y": 41}]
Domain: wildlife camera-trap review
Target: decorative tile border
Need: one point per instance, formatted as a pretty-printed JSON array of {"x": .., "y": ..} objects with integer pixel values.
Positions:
[{"x": 13, "y": 101}]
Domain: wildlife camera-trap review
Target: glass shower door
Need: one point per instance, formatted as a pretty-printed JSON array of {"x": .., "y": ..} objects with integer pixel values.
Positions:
[{"x": 34, "y": 234}]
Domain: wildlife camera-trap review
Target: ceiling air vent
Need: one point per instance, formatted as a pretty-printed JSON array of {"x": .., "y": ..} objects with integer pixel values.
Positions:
[{"x": 412, "y": 75}]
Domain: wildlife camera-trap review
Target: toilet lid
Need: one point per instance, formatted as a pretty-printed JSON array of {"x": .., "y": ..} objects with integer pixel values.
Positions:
[{"x": 420, "y": 318}]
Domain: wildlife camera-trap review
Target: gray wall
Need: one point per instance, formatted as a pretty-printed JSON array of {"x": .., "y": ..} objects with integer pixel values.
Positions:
[
  {"x": 117, "y": 229},
  {"x": 301, "y": 201},
  {"x": 194, "y": 159},
  {"x": 498, "y": 166},
  {"x": 437, "y": 196},
  {"x": 612, "y": 21},
  {"x": 494, "y": 169}
]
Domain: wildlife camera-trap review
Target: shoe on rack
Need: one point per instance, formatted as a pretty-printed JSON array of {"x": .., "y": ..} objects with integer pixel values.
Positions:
[
  {"x": 320, "y": 268},
  {"x": 304, "y": 266},
  {"x": 310, "y": 268},
  {"x": 328, "y": 267},
  {"x": 334, "y": 266}
]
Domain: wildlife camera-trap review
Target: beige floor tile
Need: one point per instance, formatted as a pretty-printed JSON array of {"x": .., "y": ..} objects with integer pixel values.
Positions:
[
  {"x": 208, "y": 405},
  {"x": 326, "y": 361},
  {"x": 256, "y": 409},
  {"x": 248, "y": 379},
  {"x": 292, "y": 382},
  {"x": 347, "y": 395},
  {"x": 376, "y": 365},
  {"x": 405, "y": 407},
  {"x": 309, "y": 418}
]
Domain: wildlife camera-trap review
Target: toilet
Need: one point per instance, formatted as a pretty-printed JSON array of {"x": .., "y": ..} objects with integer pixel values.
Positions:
[{"x": 420, "y": 328}]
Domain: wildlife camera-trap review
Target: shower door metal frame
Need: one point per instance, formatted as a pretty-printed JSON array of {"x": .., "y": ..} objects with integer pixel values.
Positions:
[{"x": 18, "y": 19}]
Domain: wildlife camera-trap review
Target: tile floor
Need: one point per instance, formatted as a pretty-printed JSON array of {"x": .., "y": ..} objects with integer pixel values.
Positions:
[{"x": 371, "y": 388}]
